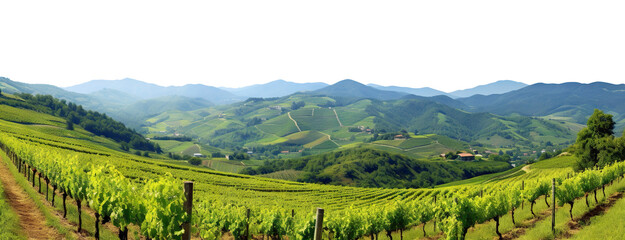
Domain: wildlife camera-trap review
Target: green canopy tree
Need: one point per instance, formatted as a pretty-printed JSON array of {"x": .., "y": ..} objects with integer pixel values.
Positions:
[{"x": 592, "y": 139}]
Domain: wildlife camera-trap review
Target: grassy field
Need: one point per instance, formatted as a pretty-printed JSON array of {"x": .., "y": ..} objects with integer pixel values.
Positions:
[
  {"x": 279, "y": 126},
  {"x": 224, "y": 165},
  {"x": 602, "y": 226},
  {"x": 322, "y": 119}
]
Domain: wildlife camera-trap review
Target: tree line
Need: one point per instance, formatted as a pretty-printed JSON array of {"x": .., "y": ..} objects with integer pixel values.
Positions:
[{"x": 92, "y": 121}]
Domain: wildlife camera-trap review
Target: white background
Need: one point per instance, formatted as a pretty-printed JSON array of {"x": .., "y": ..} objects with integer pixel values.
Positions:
[{"x": 447, "y": 45}]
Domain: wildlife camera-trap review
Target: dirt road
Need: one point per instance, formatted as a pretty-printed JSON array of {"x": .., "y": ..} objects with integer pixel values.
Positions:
[{"x": 32, "y": 221}]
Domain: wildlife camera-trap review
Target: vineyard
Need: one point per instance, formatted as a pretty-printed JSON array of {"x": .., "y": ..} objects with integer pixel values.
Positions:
[{"x": 127, "y": 190}]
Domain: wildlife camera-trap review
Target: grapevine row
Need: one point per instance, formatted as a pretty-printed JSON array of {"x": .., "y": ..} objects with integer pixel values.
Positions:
[
  {"x": 154, "y": 205},
  {"x": 157, "y": 206}
]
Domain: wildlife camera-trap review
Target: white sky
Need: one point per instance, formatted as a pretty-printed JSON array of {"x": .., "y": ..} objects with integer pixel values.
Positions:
[{"x": 447, "y": 45}]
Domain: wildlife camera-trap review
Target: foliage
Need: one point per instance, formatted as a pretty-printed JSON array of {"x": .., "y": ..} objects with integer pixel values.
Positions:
[
  {"x": 596, "y": 145},
  {"x": 94, "y": 122}
]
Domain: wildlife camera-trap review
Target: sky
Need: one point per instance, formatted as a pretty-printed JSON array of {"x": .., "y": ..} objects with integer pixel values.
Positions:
[{"x": 446, "y": 45}]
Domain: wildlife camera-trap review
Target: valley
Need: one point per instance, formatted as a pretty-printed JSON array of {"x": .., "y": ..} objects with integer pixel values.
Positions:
[{"x": 325, "y": 148}]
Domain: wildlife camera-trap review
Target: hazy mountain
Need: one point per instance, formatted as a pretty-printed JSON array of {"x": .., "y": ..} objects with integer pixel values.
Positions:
[
  {"x": 114, "y": 96},
  {"x": 575, "y": 101},
  {"x": 89, "y": 102},
  {"x": 127, "y": 85},
  {"x": 143, "y": 90},
  {"x": 10, "y": 86},
  {"x": 442, "y": 99},
  {"x": 425, "y": 92},
  {"x": 276, "y": 88},
  {"x": 351, "y": 89},
  {"x": 167, "y": 103},
  {"x": 499, "y": 87}
]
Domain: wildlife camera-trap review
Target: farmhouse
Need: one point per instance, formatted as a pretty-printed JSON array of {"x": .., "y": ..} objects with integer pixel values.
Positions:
[
  {"x": 466, "y": 157},
  {"x": 198, "y": 155},
  {"x": 400, "y": 137}
]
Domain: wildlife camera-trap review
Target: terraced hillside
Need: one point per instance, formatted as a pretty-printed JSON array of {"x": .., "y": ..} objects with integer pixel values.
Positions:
[{"x": 270, "y": 125}]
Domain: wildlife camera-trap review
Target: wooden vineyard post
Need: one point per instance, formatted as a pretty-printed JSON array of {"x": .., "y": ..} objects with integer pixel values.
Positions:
[
  {"x": 522, "y": 188},
  {"x": 319, "y": 224},
  {"x": 64, "y": 206},
  {"x": 47, "y": 186},
  {"x": 79, "y": 206},
  {"x": 188, "y": 207},
  {"x": 34, "y": 173},
  {"x": 97, "y": 226},
  {"x": 434, "y": 216},
  {"x": 553, "y": 206},
  {"x": 247, "y": 225}
]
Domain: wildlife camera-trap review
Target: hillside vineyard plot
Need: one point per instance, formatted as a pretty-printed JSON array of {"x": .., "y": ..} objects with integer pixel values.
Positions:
[{"x": 277, "y": 208}]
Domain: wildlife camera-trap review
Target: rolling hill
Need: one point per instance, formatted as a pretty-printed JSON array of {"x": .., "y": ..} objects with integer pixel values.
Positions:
[
  {"x": 567, "y": 101},
  {"x": 374, "y": 168},
  {"x": 269, "y": 127},
  {"x": 351, "y": 89}
]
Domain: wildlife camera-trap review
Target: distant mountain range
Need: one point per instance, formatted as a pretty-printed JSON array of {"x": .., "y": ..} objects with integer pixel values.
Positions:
[
  {"x": 568, "y": 101},
  {"x": 572, "y": 101},
  {"x": 143, "y": 90},
  {"x": 278, "y": 88},
  {"x": 499, "y": 87},
  {"x": 425, "y": 92}
]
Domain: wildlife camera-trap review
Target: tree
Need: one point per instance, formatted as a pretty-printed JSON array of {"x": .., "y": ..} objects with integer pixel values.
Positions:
[
  {"x": 195, "y": 161},
  {"x": 69, "y": 125},
  {"x": 592, "y": 139},
  {"x": 157, "y": 148}
]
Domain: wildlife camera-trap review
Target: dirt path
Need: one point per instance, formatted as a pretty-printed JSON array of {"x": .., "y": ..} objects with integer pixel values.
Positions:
[
  {"x": 298, "y": 129},
  {"x": 330, "y": 138},
  {"x": 32, "y": 221},
  {"x": 337, "y": 117}
]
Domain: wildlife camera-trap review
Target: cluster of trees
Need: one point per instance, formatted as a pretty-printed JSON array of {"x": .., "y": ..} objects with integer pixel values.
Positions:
[
  {"x": 176, "y": 156},
  {"x": 254, "y": 121},
  {"x": 596, "y": 144},
  {"x": 388, "y": 136},
  {"x": 175, "y": 138},
  {"x": 94, "y": 122},
  {"x": 239, "y": 155},
  {"x": 298, "y": 105},
  {"x": 499, "y": 158}
]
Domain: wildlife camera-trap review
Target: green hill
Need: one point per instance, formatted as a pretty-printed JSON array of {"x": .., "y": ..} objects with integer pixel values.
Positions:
[
  {"x": 264, "y": 125},
  {"x": 374, "y": 168},
  {"x": 567, "y": 101}
]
